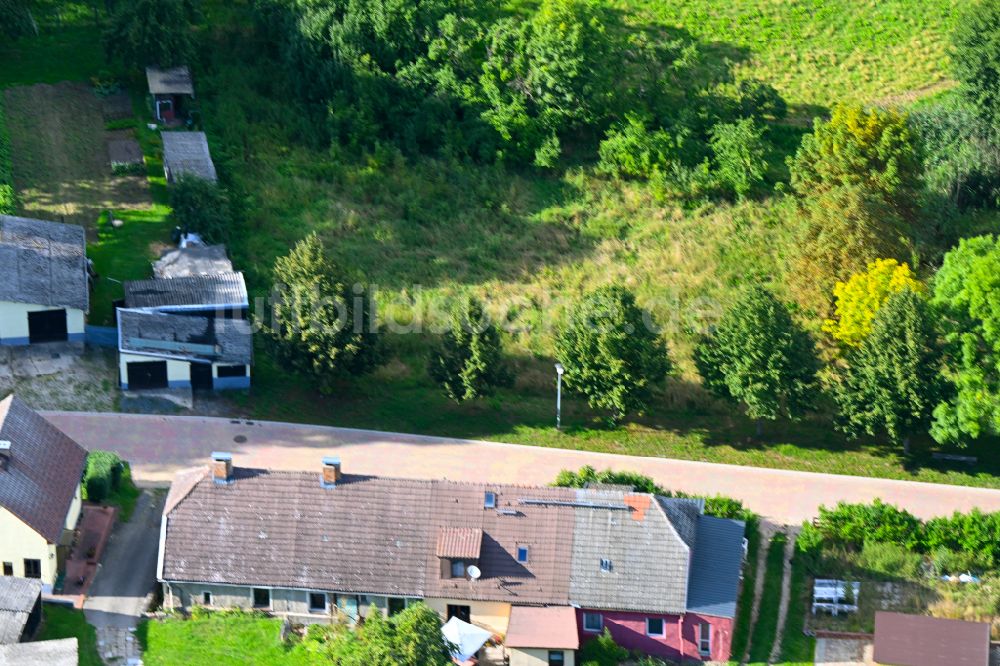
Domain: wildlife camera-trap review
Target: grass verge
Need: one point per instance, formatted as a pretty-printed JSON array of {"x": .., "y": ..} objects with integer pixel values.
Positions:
[
  {"x": 766, "y": 628},
  {"x": 65, "y": 622},
  {"x": 797, "y": 649},
  {"x": 744, "y": 613}
]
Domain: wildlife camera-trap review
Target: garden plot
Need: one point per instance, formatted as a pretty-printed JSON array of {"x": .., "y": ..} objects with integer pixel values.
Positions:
[
  {"x": 61, "y": 166},
  {"x": 60, "y": 378}
]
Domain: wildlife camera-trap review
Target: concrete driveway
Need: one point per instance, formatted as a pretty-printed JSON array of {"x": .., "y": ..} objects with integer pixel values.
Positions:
[
  {"x": 158, "y": 446},
  {"x": 127, "y": 574}
]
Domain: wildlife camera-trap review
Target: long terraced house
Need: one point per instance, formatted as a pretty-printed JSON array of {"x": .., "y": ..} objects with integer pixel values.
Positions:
[{"x": 541, "y": 568}]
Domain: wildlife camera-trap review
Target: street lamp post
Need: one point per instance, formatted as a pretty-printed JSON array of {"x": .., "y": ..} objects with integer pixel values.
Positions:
[{"x": 559, "y": 373}]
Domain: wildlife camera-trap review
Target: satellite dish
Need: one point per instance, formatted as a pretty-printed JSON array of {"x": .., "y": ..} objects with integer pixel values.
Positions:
[{"x": 474, "y": 572}]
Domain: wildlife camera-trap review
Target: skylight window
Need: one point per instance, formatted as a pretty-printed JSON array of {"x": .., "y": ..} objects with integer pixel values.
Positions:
[
  {"x": 490, "y": 500},
  {"x": 605, "y": 564},
  {"x": 522, "y": 554}
]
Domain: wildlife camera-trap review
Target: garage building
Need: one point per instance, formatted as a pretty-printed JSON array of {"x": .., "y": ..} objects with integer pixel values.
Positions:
[{"x": 44, "y": 286}]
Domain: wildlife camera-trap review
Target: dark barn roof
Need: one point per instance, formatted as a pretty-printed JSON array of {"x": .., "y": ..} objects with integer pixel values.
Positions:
[
  {"x": 219, "y": 290},
  {"x": 44, "y": 263},
  {"x": 380, "y": 535},
  {"x": 918, "y": 640},
  {"x": 44, "y": 469},
  {"x": 186, "y": 337}
]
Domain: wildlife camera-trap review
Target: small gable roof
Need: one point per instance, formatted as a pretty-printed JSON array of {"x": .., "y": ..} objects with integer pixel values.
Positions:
[
  {"x": 172, "y": 81},
  {"x": 219, "y": 290},
  {"x": 18, "y": 597},
  {"x": 44, "y": 263},
  {"x": 44, "y": 468},
  {"x": 542, "y": 627},
  {"x": 187, "y": 154}
]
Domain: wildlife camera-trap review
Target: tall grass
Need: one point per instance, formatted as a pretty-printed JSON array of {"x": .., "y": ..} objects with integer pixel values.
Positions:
[
  {"x": 797, "y": 649},
  {"x": 744, "y": 611},
  {"x": 766, "y": 628}
]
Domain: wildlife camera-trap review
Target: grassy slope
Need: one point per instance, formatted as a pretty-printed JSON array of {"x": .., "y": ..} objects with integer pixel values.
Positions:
[
  {"x": 766, "y": 627},
  {"x": 217, "y": 640},
  {"x": 815, "y": 51},
  {"x": 62, "y": 622}
]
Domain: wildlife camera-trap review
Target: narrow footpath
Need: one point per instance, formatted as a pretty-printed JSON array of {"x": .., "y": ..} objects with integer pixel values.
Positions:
[{"x": 786, "y": 589}]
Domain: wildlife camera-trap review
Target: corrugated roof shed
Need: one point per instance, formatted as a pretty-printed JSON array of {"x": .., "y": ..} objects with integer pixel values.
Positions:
[
  {"x": 917, "y": 640},
  {"x": 61, "y": 652},
  {"x": 187, "y": 154},
  {"x": 44, "y": 263},
  {"x": 193, "y": 261},
  {"x": 186, "y": 337},
  {"x": 219, "y": 290},
  {"x": 44, "y": 469},
  {"x": 715, "y": 569},
  {"x": 18, "y": 597},
  {"x": 173, "y": 81}
]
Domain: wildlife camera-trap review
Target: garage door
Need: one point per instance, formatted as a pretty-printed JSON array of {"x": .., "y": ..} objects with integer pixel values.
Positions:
[
  {"x": 47, "y": 326},
  {"x": 147, "y": 375}
]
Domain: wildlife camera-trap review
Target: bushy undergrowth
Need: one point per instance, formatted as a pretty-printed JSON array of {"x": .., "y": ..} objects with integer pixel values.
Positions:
[{"x": 8, "y": 196}]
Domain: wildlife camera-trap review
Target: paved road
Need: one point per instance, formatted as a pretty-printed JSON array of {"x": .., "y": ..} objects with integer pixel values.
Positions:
[
  {"x": 127, "y": 575},
  {"x": 158, "y": 446}
]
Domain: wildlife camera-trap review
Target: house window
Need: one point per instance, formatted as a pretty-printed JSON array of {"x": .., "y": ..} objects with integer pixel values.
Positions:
[
  {"x": 490, "y": 500},
  {"x": 317, "y": 602},
  {"x": 396, "y": 605},
  {"x": 457, "y": 569},
  {"x": 232, "y": 371},
  {"x": 8, "y": 568},
  {"x": 206, "y": 598},
  {"x": 463, "y": 613},
  {"x": 593, "y": 622},
  {"x": 32, "y": 568},
  {"x": 557, "y": 658},
  {"x": 605, "y": 564},
  {"x": 654, "y": 627},
  {"x": 261, "y": 597},
  {"x": 522, "y": 554},
  {"x": 705, "y": 639}
]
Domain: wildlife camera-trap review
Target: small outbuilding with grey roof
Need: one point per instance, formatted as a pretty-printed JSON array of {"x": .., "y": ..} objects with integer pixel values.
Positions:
[
  {"x": 187, "y": 154},
  {"x": 20, "y": 608},
  {"x": 193, "y": 261},
  {"x": 45, "y": 290},
  {"x": 59, "y": 652},
  {"x": 170, "y": 89}
]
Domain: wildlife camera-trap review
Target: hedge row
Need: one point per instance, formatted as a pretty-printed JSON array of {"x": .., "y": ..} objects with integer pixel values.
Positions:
[
  {"x": 8, "y": 196},
  {"x": 103, "y": 475},
  {"x": 975, "y": 533}
]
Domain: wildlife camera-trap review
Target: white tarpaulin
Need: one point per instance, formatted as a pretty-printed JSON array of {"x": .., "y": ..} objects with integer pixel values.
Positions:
[{"x": 466, "y": 638}]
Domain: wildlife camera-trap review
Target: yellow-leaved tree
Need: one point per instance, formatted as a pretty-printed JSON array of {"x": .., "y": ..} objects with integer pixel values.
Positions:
[{"x": 860, "y": 297}]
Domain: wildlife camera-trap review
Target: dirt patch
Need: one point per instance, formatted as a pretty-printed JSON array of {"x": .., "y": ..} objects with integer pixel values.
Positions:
[
  {"x": 59, "y": 145},
  {"x": 76, "y": 379},
  {"x": 843, "y": 652}
]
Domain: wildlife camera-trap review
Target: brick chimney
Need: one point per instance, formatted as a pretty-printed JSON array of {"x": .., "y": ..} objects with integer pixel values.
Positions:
[
  {"x": 331, "y": 472},
  {"x": 222, "y": 467}
]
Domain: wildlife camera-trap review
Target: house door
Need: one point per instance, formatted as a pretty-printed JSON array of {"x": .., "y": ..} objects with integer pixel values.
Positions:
[
  {"x": 147, "y": 375},
  {"x": 47, "y": 326},
  {"x": 201, "y": 376},
  {"x": 165, "y": 110},
  {"x": 463, "y": 613}
]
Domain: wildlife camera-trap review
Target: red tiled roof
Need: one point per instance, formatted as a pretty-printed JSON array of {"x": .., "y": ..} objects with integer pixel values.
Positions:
[
  {"x": 552, "y": 627},
  {"x": 459, "y": 542},
  {"x": 917, "y": 640}
]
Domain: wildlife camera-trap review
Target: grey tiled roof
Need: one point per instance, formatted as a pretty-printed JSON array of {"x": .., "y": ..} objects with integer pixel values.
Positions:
[
  {"x": 381, "y": 536},
  {"x": 59, "y": 652},
  {"x": 44, "y": 263},
  {"x": 683, "y": 514},
  {"x": 221, "y": 289},
  {"x": 17, "y": 599},
  {"x": 165, "y": 334},
  {"x": 193, "y": 261},
  {"x": 716, "y": 567},
  {"x": 45, "y": 467},
  {"x": 173, "y": 81},
  {"x": 187, "y": 154},
  {"x": 649, "y": 560}
]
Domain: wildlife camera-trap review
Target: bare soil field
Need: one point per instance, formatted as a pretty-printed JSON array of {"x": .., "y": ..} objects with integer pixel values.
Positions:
[{"x": 61, "y": 167}]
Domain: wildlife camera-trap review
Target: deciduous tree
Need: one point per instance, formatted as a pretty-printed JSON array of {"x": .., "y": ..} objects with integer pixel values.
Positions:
[
  {"x": 893, "y": 380},
  {"x": 15, "y": 18},
  {"x": 759, "y": 357},
  {"x": 200, "y": 206},
  {"x": 320, "y": 325},
  {"x": 151, "y": 32},
  {"x": 611, "y": 352},
  {"x": 967, "y": 296},
  {"x": 858, "y": 299},
  {"x": 469, "y": 363},
  {"x": 740, "y": 155},
  {"x": 976, "y": 57}
]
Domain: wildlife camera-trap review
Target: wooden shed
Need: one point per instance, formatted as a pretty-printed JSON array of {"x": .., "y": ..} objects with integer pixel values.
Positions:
[{"x": 171, "y": 90}]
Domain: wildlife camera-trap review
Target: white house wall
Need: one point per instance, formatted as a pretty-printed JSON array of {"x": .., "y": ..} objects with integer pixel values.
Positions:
[
  {"x": 537, "y": 657},
  {"x": 14, "y": 322}
]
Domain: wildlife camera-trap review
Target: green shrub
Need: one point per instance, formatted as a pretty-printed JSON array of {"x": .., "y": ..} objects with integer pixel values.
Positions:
[
  {"x": 890, "y": 559},
  {"x": 947, "y": 562},
  {"x": 97, "y": 488},
  {"x": 201, "y": 206},
  {"x": 632, "y": 149},
  {"x": 103, "y": 475},
  {"x": 760, "y": 100},
  {"x": 8, "y": 197},
  {"x": 854, "y": 524},
  {"x": 740, "y": 155},
  {"x": 128, "y": 168},
  {"x": 602, "y": 651},
  {"x": 971, "y": 533}
]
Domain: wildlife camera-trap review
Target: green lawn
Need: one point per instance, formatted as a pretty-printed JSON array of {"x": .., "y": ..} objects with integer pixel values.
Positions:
[
  {"x": 218, "y": 639},
  {"x": 766, "y": 627},
  {"x": 65, "y": 622}
]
